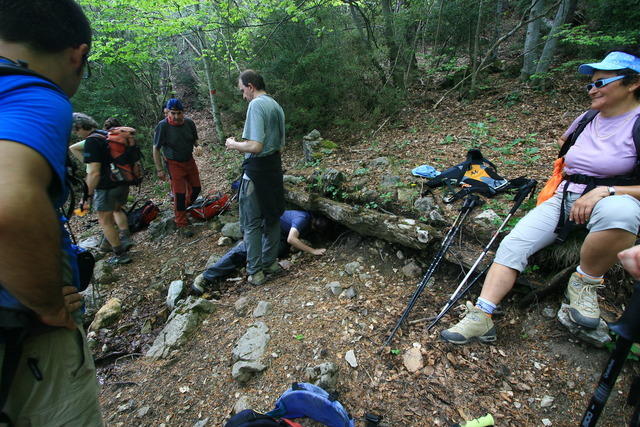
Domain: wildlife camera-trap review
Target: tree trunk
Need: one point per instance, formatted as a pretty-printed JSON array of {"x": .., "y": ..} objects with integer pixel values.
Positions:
[
  {"x": 403, "y": 231},
  {"x": 531, "y": 41},
  {"x": 475, "y": 53},
  {"x": 395, "y": 63},
  {"x": 552, "y": 40}
]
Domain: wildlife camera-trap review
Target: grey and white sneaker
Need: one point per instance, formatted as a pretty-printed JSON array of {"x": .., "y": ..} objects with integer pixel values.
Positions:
[{"x": 583, "y": 300}]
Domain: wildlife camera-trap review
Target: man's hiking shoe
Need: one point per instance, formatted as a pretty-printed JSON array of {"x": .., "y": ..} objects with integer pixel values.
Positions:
[
  {"x": 257, "y": 279},
  {"x": 125, "y": 242},
  {"x": 105, "y": 246},
  {"x": 119, "y": 259},
  {"x": 583, "y": 300},
  {"x": 200, "y": 285},
  {"x": 274, "y": 270},
  {"x": 476, "y": 324}
]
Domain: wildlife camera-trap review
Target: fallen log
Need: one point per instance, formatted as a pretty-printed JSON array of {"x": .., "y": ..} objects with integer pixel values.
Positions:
[{"x": 391, "y": 228}]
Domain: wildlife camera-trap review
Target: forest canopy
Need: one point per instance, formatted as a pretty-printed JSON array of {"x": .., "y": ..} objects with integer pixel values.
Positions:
[{"x": 332, "y": 63}]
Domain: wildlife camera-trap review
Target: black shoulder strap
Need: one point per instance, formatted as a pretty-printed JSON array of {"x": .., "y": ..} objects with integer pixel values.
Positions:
[
  {"x": 586, "y": 119},
  {"x": 21, "y": 68}
]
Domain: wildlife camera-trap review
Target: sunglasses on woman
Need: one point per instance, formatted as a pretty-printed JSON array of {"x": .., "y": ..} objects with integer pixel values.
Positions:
[{"x": 603, "y": 82}]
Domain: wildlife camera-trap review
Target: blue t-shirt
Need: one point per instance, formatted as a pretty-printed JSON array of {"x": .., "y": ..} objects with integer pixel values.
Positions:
[
  {"x": 300, "y": 220},
  {"x": 40, "y": 118}
]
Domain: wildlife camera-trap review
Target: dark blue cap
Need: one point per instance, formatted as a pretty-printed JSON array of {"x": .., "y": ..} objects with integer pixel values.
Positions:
[{"x": 174, "y": 104}]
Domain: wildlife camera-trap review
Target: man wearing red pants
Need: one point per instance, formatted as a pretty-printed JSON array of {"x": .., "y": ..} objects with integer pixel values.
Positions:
[{"x": 177, "y": 137}]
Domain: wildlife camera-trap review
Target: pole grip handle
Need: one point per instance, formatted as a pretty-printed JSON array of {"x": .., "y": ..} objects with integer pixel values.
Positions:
[{"x": 522, "y": 194}]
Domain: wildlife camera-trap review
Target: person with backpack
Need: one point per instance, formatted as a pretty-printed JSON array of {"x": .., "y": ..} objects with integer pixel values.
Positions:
[
  {"x": 105, "y": 195},
  {"x": 261, "y": 189},
  {"x": 599, "y": 190},
  {"x": 47, "y": 374},
  {"x": 174, "y": 142},
  {"x": 293, "y": 225}
]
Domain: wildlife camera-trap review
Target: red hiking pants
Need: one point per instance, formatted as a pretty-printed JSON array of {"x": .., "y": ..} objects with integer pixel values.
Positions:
[{"x": 185, "y": 183}]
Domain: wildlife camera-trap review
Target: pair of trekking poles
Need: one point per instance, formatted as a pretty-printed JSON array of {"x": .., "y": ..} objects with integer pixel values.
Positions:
[{"x": 526, "y": 188}]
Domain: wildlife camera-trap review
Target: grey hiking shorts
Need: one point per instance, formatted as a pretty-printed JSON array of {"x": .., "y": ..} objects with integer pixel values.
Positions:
[
  {"x": 536, "y": 230},
  {"x": 111, "y": 199}
]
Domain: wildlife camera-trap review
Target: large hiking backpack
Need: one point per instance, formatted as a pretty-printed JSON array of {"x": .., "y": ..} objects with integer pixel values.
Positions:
[
  {"x": 125, "y": 165},
  {"x": 208, "y": 206},
  {"x": 251, "y": 418},
  {"x": 140, "y": 218},
  {"x": 308, "y": 400},
  {"x": 475, "y": 175}
]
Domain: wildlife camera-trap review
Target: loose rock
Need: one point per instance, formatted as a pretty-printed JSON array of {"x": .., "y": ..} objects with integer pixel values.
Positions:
[
  {"x": 350, "y": 357},
  {"x": 108, "y": 315}
]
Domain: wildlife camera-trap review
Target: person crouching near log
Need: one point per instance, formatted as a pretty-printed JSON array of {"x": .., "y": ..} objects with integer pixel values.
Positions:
[{"x": 599, "y": 190}]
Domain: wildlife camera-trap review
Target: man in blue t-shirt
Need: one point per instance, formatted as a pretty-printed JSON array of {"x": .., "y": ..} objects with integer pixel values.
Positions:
[
  {"x": 44, "y": 45},
  {"x": 293, "y": 225}
]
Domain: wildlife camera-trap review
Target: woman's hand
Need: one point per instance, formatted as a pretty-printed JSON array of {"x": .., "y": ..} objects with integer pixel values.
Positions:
[{"x": 582, "y": 208}]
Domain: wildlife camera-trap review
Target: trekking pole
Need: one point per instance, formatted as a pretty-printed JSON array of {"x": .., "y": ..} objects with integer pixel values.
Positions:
[
  {"x": 628, "y": 330},
  {"x": 469, "y": 203},
  {"x": 527, "y": 188}
]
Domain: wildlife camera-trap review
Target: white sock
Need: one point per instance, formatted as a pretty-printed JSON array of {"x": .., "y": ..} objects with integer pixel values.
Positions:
[{"x": 588, "y": 276}]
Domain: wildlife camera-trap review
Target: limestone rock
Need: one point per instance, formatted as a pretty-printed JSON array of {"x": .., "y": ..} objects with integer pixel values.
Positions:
[
  {"x": 251, "y": 346},
  {"x": 243, "y": 371},
  {"x": 241, "y": 404},
  {"x": 412, "y": 269},
  {"x": 380, "y": 162},
  {"x": 241, "y": 306},
  {"x": 174, "y": 293},
  {"x": 334, "y": 288},
  {"x": 412, "y": 359},
  {"x": 425, "y": 204},
  {"x": 108, "y": 315},
  {"x": 351, "y": 268},
  {"x": 596, "y": 337},
  {"x": 225, "y": 241},
  {"x": 182, "y": 322},
  {"x": 350, "y": 357},
  {"x": 262, "y": 309},
  {"x": 324, "y": 375},
  {"x": 232, "y": 230},
  {"x": 103, "y": 273}
]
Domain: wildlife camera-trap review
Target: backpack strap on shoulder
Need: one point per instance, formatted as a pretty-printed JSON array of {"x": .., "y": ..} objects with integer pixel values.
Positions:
[{"x": 571, "y": 139}]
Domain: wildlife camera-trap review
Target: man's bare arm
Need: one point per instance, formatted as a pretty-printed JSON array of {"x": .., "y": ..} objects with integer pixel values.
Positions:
[
  {"x": 246, "y": 146},
  {"x": 294, "y": 240},
  {"x": 30, "y": 265}
]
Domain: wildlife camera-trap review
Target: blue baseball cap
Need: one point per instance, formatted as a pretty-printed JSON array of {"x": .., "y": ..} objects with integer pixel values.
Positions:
[
  {"x": 613, "y": 61},
  {"x": 174, "y": 104}
]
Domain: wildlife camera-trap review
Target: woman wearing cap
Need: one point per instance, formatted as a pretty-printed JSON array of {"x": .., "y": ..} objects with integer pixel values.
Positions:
[{"x": 609, "y": 207}]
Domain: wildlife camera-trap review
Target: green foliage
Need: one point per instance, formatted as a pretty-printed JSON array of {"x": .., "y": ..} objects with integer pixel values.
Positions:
[{"x": 395, "y": 351}]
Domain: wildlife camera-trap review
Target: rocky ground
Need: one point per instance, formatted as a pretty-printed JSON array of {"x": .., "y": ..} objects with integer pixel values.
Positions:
[{"x": 536, "y": 374}]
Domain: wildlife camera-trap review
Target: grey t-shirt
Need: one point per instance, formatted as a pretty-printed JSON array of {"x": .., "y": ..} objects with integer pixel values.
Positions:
[
  {"x": 176, "y": 142},
  {"x": 265, "y": 124}
]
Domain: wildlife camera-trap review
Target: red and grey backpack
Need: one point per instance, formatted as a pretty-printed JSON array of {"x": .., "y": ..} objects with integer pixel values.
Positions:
[{"x": 126, "y": 167}]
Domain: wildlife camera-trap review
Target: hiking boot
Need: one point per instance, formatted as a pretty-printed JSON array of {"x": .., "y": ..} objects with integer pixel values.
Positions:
[
  {"x": 583, "y": 300},
  {"x": 476, "y": 324},
  {"x": 122, "y": 258},
  {"x": 257, "y": 279},
  {"x": 273, "y": 270},
  {"x": 126, "y": 242},
  {"x": 200, "y": 285},
  {"x": 105, "y": 246}
]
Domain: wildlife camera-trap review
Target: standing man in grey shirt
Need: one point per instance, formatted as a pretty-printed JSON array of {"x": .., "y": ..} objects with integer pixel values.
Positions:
[{"x": 261, "y": 190}]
